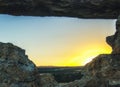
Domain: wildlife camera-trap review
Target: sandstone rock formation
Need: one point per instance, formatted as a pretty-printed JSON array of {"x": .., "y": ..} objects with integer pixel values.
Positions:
[
  {"x": 16, "y": 70},
  {"x": 72, "y": 8},
  {"x": 114, "y": 41},
  {"x": 104, "y": 71},
  {"x": 47, "y": 80}
]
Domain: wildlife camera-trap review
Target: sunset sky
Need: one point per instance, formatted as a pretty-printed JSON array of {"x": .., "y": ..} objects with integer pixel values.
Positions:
[{"x": 57, "y": 41}]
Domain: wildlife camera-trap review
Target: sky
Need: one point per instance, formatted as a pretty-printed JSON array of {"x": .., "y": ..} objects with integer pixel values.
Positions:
[{"x": 57, "y": 41}]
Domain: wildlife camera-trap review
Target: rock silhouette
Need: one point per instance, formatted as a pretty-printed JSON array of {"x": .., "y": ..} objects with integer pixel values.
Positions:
[{"x": 114, "y": 41}]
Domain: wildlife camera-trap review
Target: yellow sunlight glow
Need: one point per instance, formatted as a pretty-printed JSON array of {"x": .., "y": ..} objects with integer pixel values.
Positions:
[
  {"x": 81, "y": 56},
  {"x": 87, "y": 55}
]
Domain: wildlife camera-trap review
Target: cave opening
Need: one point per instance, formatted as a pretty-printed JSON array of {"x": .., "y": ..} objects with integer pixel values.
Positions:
[{"x": 58, "y": 41}]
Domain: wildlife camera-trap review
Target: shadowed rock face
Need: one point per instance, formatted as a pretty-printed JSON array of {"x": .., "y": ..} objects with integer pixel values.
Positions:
[
  {"x": 16, "y": 70},
  {"x": 104, "y": 71},
  {"x": 114, "y": 41},
  {"x": 47, "y": 80},
  {"x": 108, "y": 9}
]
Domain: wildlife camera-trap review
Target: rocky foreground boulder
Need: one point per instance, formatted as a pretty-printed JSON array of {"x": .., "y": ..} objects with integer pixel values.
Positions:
[
  {"x": 16, "y": 70},
  {"x": 47, "y": 80}
]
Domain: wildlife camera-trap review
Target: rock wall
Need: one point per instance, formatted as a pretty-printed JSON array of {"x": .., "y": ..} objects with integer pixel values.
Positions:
[
  {"x": 16, "y": 70},
  {"x": 108, "y": 9}
]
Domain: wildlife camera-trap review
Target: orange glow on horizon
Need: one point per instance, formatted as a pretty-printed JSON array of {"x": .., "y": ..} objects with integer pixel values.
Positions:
[
  {"x": 84, "y": 56},
  {"x": 58, "y": 41},
  {"x": 88, "y": 54}
]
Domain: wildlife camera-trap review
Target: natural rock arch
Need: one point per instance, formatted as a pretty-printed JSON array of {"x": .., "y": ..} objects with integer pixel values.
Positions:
[
  {"x": 105, "y": 9},
  {"x": 104, "y": 70}
]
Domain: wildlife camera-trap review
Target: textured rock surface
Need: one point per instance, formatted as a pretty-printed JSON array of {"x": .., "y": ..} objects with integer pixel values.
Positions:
[
  {"x": 104, "y": 71},
  {"x": 114, "y": 41},
  {"x": 16, "y": 70},
  {"x": 72, "y": 8},
  {"x": 47, "y": 80}
]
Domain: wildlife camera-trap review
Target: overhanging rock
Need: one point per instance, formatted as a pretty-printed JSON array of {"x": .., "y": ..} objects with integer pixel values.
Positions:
[{"x": 107, "y": 9}]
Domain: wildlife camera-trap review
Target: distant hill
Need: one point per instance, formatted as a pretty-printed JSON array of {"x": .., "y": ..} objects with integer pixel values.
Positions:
[{"x": 62, "y": 74}]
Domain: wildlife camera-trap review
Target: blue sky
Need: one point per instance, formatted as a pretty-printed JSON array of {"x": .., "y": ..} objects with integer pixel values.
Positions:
[{"x": 58, "y": 39}]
